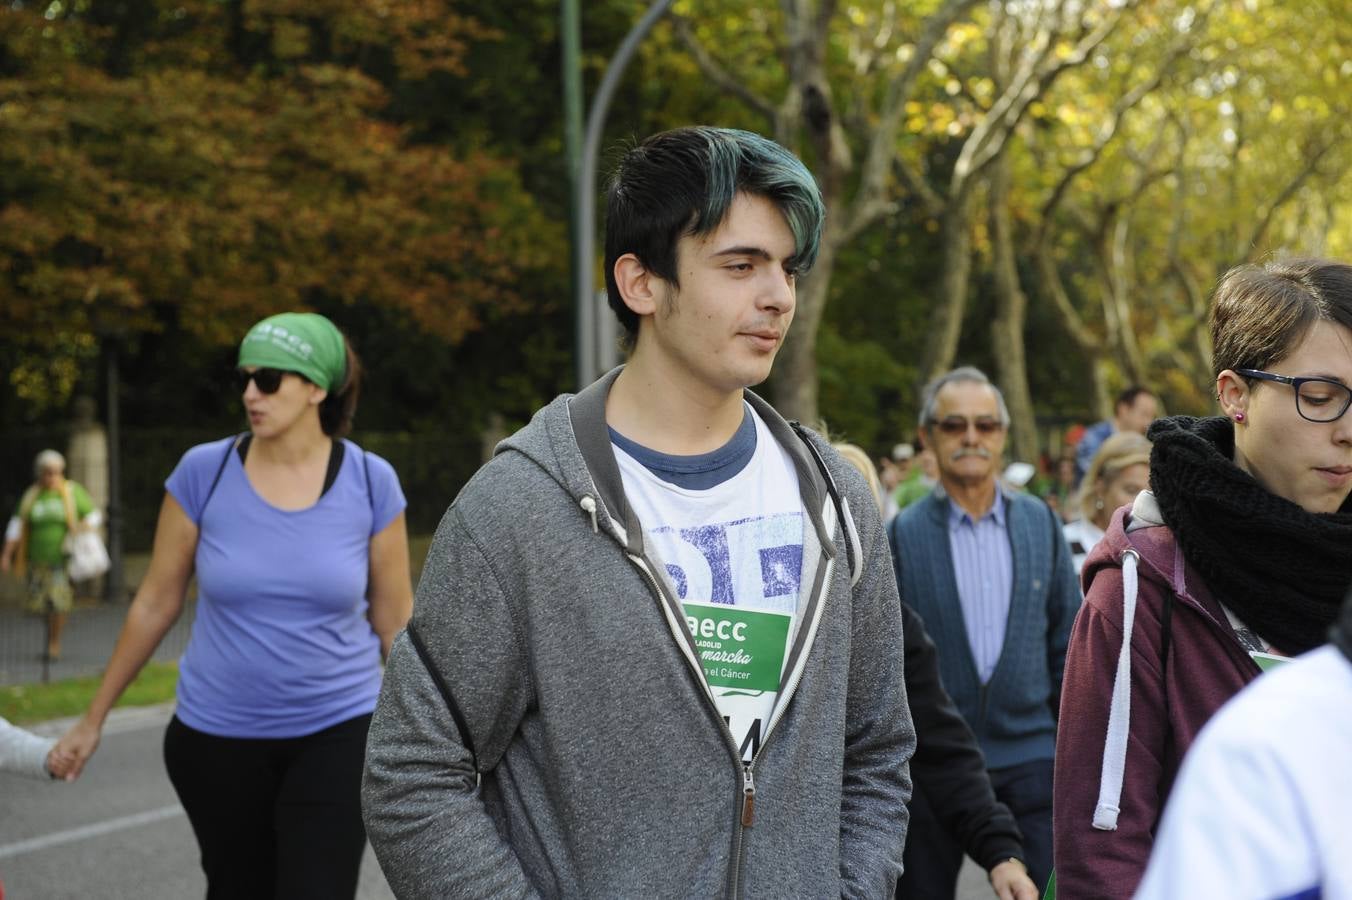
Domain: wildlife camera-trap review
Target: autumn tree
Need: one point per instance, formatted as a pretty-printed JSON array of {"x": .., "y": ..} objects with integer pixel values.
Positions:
[{"x": 198, "y": 165}]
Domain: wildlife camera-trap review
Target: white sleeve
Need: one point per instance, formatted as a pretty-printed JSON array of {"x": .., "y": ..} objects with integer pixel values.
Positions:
[
  {"x": 23, "y": 752},
  {"x": 1235, "y": 825},
  {"x": 14, "y": 530}
]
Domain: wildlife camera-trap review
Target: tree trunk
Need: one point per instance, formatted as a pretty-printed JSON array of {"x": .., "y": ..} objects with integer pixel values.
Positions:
[
  {"x": 946, "y": 318},
  {"x": 794, "y": 390},
  {"x": 1011, "y": 307}
]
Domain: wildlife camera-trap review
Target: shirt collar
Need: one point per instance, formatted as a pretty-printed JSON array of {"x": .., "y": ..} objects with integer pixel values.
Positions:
[{"x": 957, "y": 515}]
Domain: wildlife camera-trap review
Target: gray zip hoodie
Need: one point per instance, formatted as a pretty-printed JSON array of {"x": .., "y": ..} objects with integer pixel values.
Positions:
[{"x": 589, "y": 758}]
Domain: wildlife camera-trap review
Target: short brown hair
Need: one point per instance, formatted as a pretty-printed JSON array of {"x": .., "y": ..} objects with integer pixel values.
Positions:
[{"x": 1260, "y": 313}]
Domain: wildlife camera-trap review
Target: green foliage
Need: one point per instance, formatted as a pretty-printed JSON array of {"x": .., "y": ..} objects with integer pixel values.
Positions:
[
  {"x": 24, "y": 704},
  {"x": 170, "y": 172},
  {"x": 231, "y": 167}
]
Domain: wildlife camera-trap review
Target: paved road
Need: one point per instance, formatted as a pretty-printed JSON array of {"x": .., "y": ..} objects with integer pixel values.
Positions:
[{"x": 117, "y": 833}]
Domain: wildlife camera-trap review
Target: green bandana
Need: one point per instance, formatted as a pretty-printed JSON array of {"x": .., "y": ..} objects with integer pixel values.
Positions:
[{"x": 306, "y": 343}]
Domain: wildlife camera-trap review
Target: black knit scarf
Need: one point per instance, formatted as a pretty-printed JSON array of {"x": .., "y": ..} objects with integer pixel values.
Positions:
[{"x": 1280, "y": 569}]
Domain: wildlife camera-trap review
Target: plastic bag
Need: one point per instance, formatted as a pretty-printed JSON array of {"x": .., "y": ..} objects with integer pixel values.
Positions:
[{"x": 88, "y": 557}]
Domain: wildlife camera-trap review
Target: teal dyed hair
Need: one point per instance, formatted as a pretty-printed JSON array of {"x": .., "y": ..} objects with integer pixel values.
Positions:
[
  {"x": 742, "y": 161},
  {"x": 682, "y": 182}
]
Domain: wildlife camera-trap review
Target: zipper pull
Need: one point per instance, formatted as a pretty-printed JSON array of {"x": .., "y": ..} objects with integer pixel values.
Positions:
[
  {"x": 588, "y": 504},
  {"x": 748, "y": 798}
]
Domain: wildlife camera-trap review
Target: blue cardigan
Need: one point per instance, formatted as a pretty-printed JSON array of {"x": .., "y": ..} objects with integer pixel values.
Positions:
[{"x": 1014, "y": 714}]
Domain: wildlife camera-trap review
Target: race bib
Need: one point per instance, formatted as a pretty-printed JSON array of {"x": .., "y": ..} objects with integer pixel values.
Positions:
[
  {"x": 739, "y": 648},
  {"x": 742, "y": 654}
]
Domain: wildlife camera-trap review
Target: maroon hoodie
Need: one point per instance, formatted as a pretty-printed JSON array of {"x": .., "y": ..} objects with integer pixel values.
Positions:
[{"x": 1169, "y": 704}]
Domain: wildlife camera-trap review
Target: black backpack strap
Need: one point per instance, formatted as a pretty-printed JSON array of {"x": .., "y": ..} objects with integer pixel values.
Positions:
[
  {"x": 370, "y": 494},
  {"x": 421, "y": 649},
  {"x": 220, "y": 470}
]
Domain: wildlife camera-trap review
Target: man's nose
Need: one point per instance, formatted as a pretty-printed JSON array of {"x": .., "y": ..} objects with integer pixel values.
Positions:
[{"x": 780, "y": 293}]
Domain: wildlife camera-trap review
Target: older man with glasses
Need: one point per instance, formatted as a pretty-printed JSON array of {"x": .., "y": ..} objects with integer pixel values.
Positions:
[{"x": 990, "y": 574}]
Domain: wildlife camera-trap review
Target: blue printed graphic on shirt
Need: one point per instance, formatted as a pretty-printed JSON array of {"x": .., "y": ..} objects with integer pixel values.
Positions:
[{"x": 754, "y": 562}]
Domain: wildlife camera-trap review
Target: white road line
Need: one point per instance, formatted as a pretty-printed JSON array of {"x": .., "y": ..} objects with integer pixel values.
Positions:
[{"x": 85, "y": 832}]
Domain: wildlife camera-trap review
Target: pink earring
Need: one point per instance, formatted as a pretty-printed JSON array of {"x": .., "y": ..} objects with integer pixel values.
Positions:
[{"x": 1239, "y": 417}]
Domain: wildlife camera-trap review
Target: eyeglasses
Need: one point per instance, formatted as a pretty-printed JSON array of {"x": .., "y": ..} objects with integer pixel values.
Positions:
[
  {"x": 1317, "y": 399},
  {"x": 268, "y": 380},
  {"x": 956, "y": 425}
]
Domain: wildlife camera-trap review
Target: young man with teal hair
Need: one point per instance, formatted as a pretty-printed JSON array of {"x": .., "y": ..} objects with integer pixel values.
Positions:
[{"x": 655, "y": 648}]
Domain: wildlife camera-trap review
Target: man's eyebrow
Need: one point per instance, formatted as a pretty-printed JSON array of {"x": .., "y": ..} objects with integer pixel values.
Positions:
[{"x": 758, "y": 252}]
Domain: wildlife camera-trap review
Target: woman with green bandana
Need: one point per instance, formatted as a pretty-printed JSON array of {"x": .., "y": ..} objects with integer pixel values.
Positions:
[
  {"x": 35, "y": 541},
  {"x": 298, "y": 543}
]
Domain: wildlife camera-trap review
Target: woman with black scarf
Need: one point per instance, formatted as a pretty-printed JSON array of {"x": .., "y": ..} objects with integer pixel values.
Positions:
[{"x": 1240, "y": 553}]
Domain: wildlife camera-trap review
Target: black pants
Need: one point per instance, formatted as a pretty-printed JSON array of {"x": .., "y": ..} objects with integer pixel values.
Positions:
[
  {"x": 934, "y": 857},
  {"x": 273, "y": 817}
]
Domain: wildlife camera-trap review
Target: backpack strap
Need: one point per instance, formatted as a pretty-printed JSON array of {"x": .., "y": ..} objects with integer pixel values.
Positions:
[
  {"x": 220, "y": 470},
  {"x": 854, "y": 551},
  {"x": 421, "y": 649},
  {"x": 1166, "y": 629},
  {"x": 26, "y": 502},
  {"x": 370, "y": 493},
  {"x": 68, "y": 501},
  {"x": 1119, "y": 714}
]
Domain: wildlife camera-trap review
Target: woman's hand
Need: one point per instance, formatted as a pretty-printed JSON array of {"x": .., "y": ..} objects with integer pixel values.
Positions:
[
  {"x": 74, "y": 749},
  {"x": 59, "y": 763}
]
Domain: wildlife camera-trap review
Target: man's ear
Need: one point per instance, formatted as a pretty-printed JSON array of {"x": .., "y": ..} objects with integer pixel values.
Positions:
[
  {"x": 1233, "y": 393},
  {"x": 639, "y": 287}
]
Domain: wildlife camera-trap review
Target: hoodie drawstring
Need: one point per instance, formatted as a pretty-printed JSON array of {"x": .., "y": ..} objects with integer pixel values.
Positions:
[
  {"x": 588, "y": 504},
  {"x": 1119, "y": 714}
]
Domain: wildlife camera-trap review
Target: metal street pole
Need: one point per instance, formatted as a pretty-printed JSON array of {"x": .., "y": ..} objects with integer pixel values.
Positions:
[
  {"x": 114, "y": 589},
  {"x": 589, "y": 312},
  {"x": 570, "y": 35}
]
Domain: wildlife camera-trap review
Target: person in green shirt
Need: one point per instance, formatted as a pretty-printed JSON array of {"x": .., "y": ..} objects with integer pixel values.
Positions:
[
  {"x": 919, "y": 482},
  {"x": 49, "y": 510}
]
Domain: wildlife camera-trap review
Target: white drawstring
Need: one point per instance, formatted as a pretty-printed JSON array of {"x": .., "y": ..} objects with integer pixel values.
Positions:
[{"x": 1119, "y": 714}]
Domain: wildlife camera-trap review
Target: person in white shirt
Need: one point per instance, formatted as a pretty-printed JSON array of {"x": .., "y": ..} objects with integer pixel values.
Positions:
[
  {"x": 1120, "y": 471},
  {"x": 1261, "y": 807},
  {"x": 24, "y": 753}
]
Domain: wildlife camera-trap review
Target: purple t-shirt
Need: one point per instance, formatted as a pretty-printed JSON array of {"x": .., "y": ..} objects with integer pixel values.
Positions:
[{"x": 281, "y": 646}]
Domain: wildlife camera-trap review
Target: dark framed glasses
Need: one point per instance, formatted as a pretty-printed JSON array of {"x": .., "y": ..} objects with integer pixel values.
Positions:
[
  {"x": 956, "y": 425},
  {"x": 268, "y": 380},
  {"x": 1317, "y": 399}
]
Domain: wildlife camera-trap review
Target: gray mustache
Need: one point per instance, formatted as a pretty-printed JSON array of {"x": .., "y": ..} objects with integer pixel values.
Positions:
[{"x": 971, "y": 451}]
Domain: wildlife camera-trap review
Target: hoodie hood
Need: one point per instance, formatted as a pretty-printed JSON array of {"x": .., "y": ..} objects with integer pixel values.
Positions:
[
  {"x": 1140, "y": 528},
  {"x": 569, "y": 440}
]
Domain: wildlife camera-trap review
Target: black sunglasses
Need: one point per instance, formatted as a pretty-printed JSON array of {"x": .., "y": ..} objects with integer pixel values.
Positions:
[
  {"x": 955, "y": 425},
  {"x": 268, "y": 380}
]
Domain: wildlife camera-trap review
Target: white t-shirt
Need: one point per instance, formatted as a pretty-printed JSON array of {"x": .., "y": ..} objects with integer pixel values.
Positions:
[
  {"x": 1081, "y": 536},
  {"x": 1260, "y": 809},
  {"x": 734, "y": 555}
]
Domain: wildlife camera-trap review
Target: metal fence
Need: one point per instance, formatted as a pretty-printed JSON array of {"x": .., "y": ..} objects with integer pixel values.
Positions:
[
  {"x": 91, "y": 630},
  {"x": 432, "y": 468}
]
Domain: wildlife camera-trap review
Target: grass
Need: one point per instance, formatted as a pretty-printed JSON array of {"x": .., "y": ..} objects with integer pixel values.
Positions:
[{"x": 27, "y": 703}]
